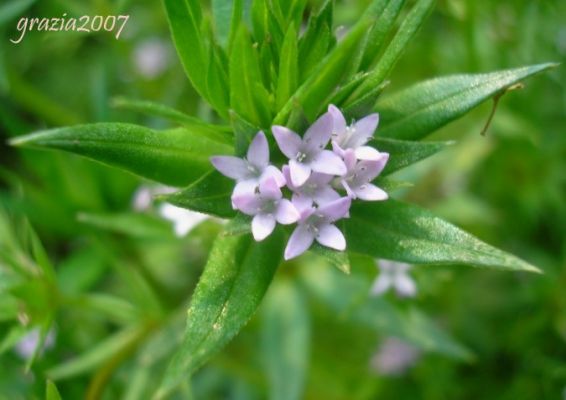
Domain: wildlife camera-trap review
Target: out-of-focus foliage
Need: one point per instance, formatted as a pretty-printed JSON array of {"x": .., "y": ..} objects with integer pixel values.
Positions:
[{"x": 112, "y": 284}]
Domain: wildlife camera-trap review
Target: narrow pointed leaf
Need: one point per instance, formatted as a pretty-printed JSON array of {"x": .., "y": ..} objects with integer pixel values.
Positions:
[
  {"x": 396, "y": 48},
  {"x": 288, "y": 68},
  {"x": 326, "y": 77},
  {"x": 234, "y": 281},
  {"x": 175, "y": 157},
  {"x": 244, "y": 133},
  {"x": 380, "y": 31},
  {"x": 220, "y": 133},
  {"x": 403, "y": 153},
  {"x": 338, "y": 259},
  {"x": 185, "y": 18},
  {"x": 51, "y": 392},
  {"x": 286, "y": 341},
  {"x": 248, "y": 97},
  {"x": 210, "y": 195},
  {"x": 419, "y": 110},
  {"x": 397, "y": 231}
]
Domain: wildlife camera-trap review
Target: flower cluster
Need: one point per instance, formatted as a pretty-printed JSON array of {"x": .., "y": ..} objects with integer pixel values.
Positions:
[{"x": 323, "y": 182}]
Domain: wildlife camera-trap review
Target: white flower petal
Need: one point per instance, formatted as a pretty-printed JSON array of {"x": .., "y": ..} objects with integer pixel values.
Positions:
[
  {"x": 330, "y": 163},
  {"x": 405, "y": 285},
  {"x": 232, "y": 167},
  {"x": 262, "y": 226},
  {"x": 299, "y": 172},
  {"x": 273, "y": 172},
  {"x": 286, "y": 213},
  {"x": 243, "y": 189},
  {"x": 318, "y": 135},
  {"x": 370, "y": 192},
  {"x": 288, "y": 141},
  {"x": 338, "y": 120},
  {"x": 364, "y": 129},
  {"x": 299, "y": 242},
  {"x": 367, "y": 153},
  {"x": 258, "y": 152},
  {"x": 381, "y": 284},
  {"x": 330, "y": 236}
]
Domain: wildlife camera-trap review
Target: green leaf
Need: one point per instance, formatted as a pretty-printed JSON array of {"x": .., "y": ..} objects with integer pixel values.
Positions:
[
  {"x": 185, "y": 18},
  {"x": 220, "y": 133},
  {"x": 210, "y": 195},
  {"x": 402, "y": 232},
  {"x": 288, "y": 68},
  {"x": 403, "y": 153},
  {"x": 98, "y": 354},
  {"x": 326, "y": 77},
  {"x": 338, "y": 259},
  {"x": 349, "y": 298},
  {"x": 380, "y": 31},
  {"x": 13, "y": 9},
  {"x": 316, "y": 41},
  {"x": 248, "y": 96},
  {"x": 222, "y": 13},
  {"x": 235, "y": 279},
  {"x": 174, "y": 157},
  {"x": 419, "y": 110},
  {"x": 137, "y": 225},
  {"x": 286, "y": 340},
  {"x": 401, "y": 40},
  {"x": 51, "y": 392}
]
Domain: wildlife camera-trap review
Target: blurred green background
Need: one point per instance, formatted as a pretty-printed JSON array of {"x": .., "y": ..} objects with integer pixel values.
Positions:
[{"x": 116, "y": 303}]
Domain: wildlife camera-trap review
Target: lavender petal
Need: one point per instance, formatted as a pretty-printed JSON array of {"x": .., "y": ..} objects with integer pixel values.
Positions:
[
  {"x": 335, "y": 210},
  {"x": 258, "y": 152},
  {"x": 330, "y": 236},
  {"x": 262, "y": 226},
  {"x": 299, "y": 172},
  {"x": 327, "y": 162},
  {"x": 370, "y": 192},
  {"x": 288, "y": 141},
  {"x": 317, "y": 136},
  {"x": 299, "y": 242},
  {"x": 232, "y": 167},
  {"x": 286, "y": 213}
]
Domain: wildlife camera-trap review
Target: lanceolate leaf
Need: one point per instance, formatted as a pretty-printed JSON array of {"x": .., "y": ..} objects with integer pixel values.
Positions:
[
  {"x": 185, "y": 17},
  {"x": 286, "y": 339},
  {"x": 174, "y": 157},
  {"x": 209, "y": 195},
  {"x": 419, "y": 110},
  {"x": 406, "y": 32},
  {"x": 234, "y": 281},
  {"x": 403, "y": 232},
  {"x": 403, "y": 153},
  {"x": 248, "y": 96},
  {"x": 326, "y": 77},
  {"x": 288, "y": 68},
  {"x": 379, "y": 32},
  {"x": 220, "y": 133}
]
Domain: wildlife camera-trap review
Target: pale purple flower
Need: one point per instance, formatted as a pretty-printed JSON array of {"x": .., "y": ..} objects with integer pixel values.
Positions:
[
  {"x": 357, "y": 180},
  {"x": 394, "y": 275},
  {"x": 354, "y": 136},
  {"x": 394, "y": 357},
  {"x": 183, "y": 220},
  {"x": 27, "y": 345},
  {"x": 268, "y": 207},
  {"x": 308, "y": 154},
  {"x": 316, "y": 189},
  {"x": 318, "y": 224},
  {"x": 250, "y": 171}
]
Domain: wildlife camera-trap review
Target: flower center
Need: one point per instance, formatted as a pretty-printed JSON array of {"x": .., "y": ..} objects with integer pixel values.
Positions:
[{"x": 300, "y": 157}]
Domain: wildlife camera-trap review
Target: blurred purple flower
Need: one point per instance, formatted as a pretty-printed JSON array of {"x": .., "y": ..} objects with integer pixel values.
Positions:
[
  {"x": 268, "y": 207},
  {"x": 394, "y": 357},
  {"x": 318, "y": 224},
  {"x": 250, "y": 171},
  {"x": 354, "y": 136},
  {"x": 27, "y": 345},
  {"x": 308, "y": 154},
  {"x": 183, "y": 220},
  {"x": 357, "y": 180},
  {"x": 394, "y": 275}
]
